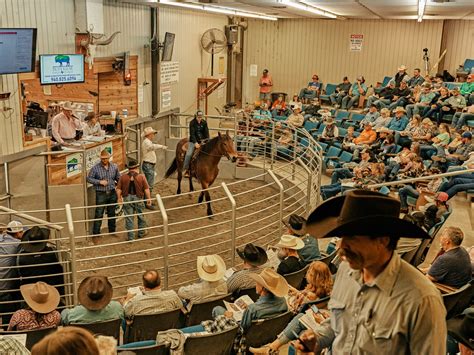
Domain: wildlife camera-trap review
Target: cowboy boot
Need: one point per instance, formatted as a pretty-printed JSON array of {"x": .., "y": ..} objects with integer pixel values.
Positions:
[{"x": 266, "y": 349}]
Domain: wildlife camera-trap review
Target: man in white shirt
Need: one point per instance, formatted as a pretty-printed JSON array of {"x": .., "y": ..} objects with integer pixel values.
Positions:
[
  {"x": 64, "y": 125},
  {"x": 149, "y": 157}
]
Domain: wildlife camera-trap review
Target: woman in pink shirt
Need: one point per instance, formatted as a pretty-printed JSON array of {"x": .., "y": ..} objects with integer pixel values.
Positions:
[{"x": 266, "y": 84}]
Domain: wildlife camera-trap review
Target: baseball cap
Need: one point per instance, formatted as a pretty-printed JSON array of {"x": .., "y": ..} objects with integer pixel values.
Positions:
[
  {"x": 467, "y": 135},
  {"x": 14, "y": 227}
]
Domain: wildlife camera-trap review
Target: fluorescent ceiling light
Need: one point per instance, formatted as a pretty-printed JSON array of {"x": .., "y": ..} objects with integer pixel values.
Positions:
[
  {"x": 307, "y": 7},
  {"x": 421, "y": 9},
  {"x": 218, "y": 10}
]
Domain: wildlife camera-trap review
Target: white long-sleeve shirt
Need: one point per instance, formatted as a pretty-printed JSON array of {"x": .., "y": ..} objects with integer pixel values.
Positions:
[
  {"x": 148, "y": 150},
  {"x": 64, "y": 127}
]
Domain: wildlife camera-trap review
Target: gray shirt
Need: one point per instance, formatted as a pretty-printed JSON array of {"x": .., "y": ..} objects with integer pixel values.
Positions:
[
  {"x": 400, "y": 312},
  {"x": 203, "y": 291},
  {"x": 8, "y": 247}
]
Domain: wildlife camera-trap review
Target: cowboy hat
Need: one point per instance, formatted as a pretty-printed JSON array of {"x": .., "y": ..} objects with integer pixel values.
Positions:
[
  {"x": 35, "y": 239},
  {"x": 383, "y": 130},
  {"x": 148, "y": 130},
  {"x": 67, "y": 106},
  {"x": 402, "y": 67},
  {"x": 329, "y": 120},
  {"x": 40, "y": 297},
  {"x": 253, "y": 255},
  {"x": 290, "y": 242},
  {"x": 14, "y": 227},
  {"x": 132, "y": 164},
  {"x": 399, "y": 109},
  {"x": 361, "y": 212},
  {"x": 461, "y": 328},
  {"x": 296, "y": 224},
  {"x": 210, "y": 267},
  {"x": 95, "y": 292},
  {"x": 272, "y": 281}
]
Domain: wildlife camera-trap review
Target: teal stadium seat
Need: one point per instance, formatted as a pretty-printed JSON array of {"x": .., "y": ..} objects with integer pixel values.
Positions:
[{"x": 330, "y": 89}]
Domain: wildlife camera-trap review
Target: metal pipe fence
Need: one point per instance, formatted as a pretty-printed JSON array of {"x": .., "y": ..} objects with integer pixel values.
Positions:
[{"x": 278, "y": 180}]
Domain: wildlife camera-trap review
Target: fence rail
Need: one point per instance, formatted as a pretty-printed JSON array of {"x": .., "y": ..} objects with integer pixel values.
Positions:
[{"x": 279, "y": 180}]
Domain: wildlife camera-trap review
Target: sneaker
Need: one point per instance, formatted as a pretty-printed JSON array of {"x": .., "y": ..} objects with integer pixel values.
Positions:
[{"x": 150, "y": 207}]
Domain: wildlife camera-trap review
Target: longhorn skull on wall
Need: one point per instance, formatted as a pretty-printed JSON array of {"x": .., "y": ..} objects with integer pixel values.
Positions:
[{"x": 90, "y": 45}]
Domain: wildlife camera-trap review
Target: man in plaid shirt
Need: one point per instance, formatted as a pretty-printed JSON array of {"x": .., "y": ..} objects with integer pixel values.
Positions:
[
  {"x": 104, "y": 176},
  {"x": 9, "y": 345}
]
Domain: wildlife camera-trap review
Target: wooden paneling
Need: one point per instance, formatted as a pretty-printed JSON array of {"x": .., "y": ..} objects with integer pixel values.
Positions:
[
  {"x": 458, "y": 39},
  {"x": 114, "y": 95}
]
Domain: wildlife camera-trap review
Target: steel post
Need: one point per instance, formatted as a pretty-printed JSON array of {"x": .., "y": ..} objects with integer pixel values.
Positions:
[
  {"x": 282, "y": 191},
  {"x": 308, "y": 185},
  {"x": 164, "y": 215},
  {"x": 233, "y": 223},
  {"x": 72, "y": 242}
]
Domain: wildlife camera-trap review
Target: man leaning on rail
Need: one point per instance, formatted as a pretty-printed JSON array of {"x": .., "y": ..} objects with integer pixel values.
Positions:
[{"x": 380, "y": 304}]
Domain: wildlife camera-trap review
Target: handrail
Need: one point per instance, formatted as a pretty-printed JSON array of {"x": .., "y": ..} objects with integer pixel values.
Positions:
[
  {"x": 31, "y": 218},
  {"x": 421, "y": 178}
]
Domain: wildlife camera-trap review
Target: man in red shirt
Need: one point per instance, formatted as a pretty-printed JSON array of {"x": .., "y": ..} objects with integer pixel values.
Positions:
[
  {"x": 266, "y": 84},
  {"x": 131, "y": 189}
]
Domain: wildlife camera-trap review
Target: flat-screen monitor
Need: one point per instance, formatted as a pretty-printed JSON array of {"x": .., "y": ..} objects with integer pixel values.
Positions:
[
  {"x": 36, "y": 119},
  {"x": 168, "y": 47},
  {"x": 17, "y": 50},
  {"x": 61, "y": 69}
]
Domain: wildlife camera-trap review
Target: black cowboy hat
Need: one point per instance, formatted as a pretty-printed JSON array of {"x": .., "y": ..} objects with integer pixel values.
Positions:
[
  {"x": 296, "y": 224},
  {"x": 461, "y": 328},
  {"x": 36, "y": 239},
  {"x": 132, "y": 164},
  {"x": 361, "y": 212},
  {"x": 252, "y": 254}
]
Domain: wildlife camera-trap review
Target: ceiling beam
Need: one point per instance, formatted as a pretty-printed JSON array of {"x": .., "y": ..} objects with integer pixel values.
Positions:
[{"x": 369, "y": 9}]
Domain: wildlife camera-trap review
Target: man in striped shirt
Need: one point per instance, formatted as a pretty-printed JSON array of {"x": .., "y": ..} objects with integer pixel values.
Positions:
[{"x": 104, "y": 176}]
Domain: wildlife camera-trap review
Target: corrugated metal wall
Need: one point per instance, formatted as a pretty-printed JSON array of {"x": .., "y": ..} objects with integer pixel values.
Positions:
[
  {"x": 193, "y": 61},
  {"x": 55, "y": 22},
  {"x": 294, "y": 49},
  {"x": 458, "y": 39}
]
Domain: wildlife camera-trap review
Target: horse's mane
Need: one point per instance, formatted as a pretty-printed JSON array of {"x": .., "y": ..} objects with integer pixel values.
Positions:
[{"x": 210, "y": 145}]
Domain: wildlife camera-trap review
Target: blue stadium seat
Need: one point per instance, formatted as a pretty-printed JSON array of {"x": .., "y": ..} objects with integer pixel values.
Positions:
[
  {"x": 345, "y": 157},
  {"x": 342, "y": 132},
  {"x": 340, "y": 115},
  {"x": 324, "y": 146},
  {"x": 357, "y": 117},
  {"x": 451, "y": 86},
  {"x": 311, "y": 126},
  {"x": 386, "y": 80},
  {"x": 320, "y": 129},
  {"x": 330, "y": 89}
]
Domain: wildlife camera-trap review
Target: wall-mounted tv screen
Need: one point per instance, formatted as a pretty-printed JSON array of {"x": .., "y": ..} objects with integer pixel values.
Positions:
[
  {"x": 61, "y": 69},
  {"x": 168, "y": 47},
  {"x": 17, "y": 50}
]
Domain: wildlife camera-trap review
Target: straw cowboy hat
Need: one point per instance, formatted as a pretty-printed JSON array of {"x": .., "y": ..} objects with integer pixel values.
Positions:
[
  {"x": 40, "y": 297},
  {"x": 14, "y": 227},
  {"x": 148, "y": 130},
  {"x": 272, "y": 281},
  {"x": 210, "y": 267},
  {"x": 328, "y": 120},
  {"x": 253, "y": 254},
  {"x": 296, "y": 224},
  {"x": 95, "y": 292},
  {"x": 399, "y": 109},
  {"x": 36, "y": 239},
  {"x": 290, "y": 242},
  {"x": 361, "y": 212},
  {"x": 132, "y": 164},
  {"x": 402, "y": 67},
  {"x": 67, "y": 106},
  {"x": 461, "y": 328}
]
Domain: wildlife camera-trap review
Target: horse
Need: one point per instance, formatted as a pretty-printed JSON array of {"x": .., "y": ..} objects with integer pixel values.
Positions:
[{"x": 204, "y": 164}]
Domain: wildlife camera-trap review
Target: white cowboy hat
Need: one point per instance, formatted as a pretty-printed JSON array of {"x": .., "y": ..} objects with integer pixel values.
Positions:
[
  {"x": 148, "y": 130},
  {"x": 14, "y": 227},
  {"x": 67, "y": 106},
  {"x": 402, "y": 67},
  {"x": 290, "y": 242},
  {"x": 210, "y": 267},
  {"x": 272, "y": 281},
  {"x": 399, "y": 109}
]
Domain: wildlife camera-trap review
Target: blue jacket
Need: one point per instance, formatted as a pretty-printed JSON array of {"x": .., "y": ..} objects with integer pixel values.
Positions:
[
  {"x": 398, "y": 125},
  {"x": 265, "y": 307}
]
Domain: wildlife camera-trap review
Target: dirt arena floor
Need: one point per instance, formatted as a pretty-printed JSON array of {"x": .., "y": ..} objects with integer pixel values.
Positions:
[{"x": 124, "y": 262}]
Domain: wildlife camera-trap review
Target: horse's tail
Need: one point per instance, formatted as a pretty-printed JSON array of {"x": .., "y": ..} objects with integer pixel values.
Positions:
[{"x": 173, "y": 167}]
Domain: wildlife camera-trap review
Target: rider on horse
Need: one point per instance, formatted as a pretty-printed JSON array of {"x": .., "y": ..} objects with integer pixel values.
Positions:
[{"x": 198, "y": 132}]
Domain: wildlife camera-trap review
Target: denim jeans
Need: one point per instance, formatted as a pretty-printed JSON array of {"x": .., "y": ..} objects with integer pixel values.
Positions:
[
  {"x": 348, "y": 102},
  {"x": 103, "y": 198},
  {"x": 460, "y": 119},
  {"x": 414, "y": 109},
  {"x": 392, "y": 169},
  {"x": 382, "y": 103},
  {"x": 336, "y": 98},
  {"x": 189, "y": 155},
  {"x": 427, "y": 151},
  {"x": 328, "y": 191},
  {"x": 400, "y": 102},
  {"x": 459, "y": 183},
  {"x": 307, "y": 94},
  {"x": 149, "y": 172},
  {"x": 341, "y": 173},
  {"x": 135, "y": 207},
  {"x": 406, "y": 191},
  {"x": 404, "y": 141},
  {"x": 371, "y": 100}
]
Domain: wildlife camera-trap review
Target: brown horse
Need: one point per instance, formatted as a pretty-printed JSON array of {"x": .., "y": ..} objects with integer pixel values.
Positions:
[{"x": 204, "y": 164}]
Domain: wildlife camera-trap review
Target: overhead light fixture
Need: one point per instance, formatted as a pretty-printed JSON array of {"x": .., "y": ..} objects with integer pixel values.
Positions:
[
  {"x": 304, "y": 6},
  {"x": 218, "y": 10},
  {"x": 421, "y": 9}
]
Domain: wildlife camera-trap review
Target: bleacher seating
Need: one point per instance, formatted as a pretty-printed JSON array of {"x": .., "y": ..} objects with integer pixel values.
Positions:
[{"x": 330, "y": 89}]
